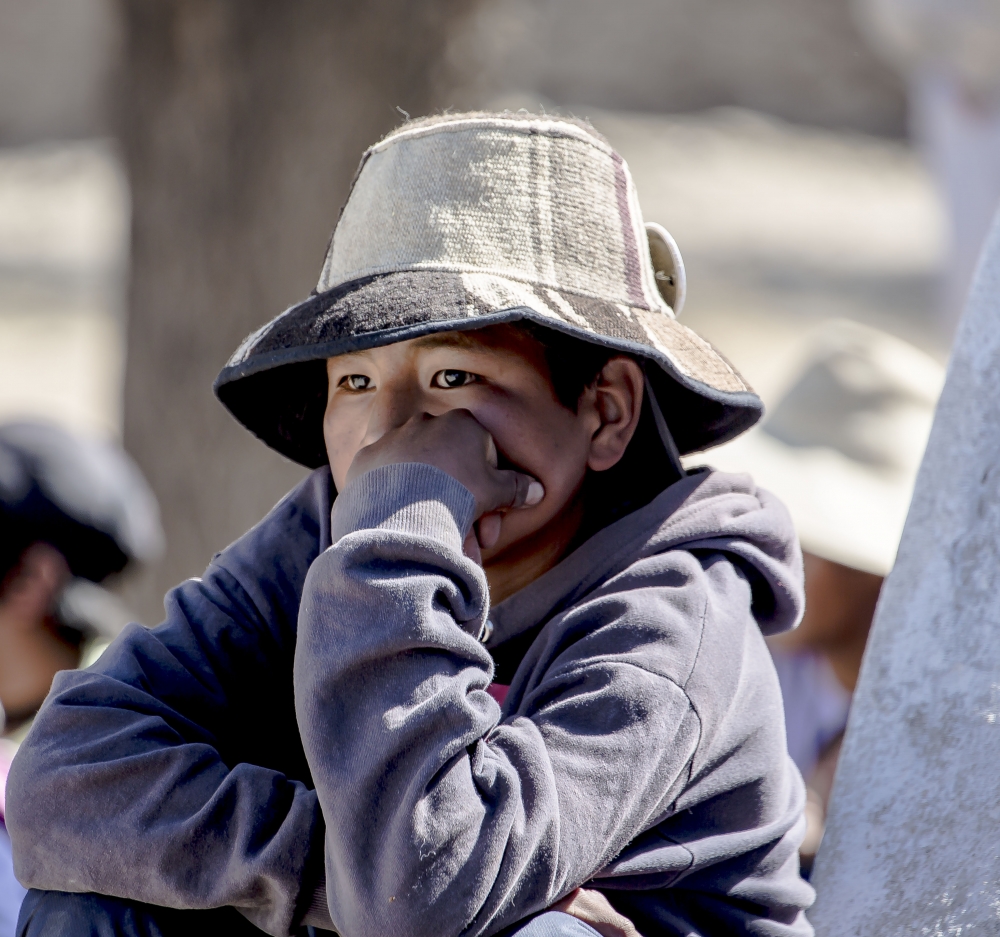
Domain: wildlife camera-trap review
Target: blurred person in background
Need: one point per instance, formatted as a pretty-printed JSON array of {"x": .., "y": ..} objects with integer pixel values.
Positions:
[
  {"x": 949, "y": 52},
  {"x": 73, "y": 511},
  {"x": 841, "y": 449}
]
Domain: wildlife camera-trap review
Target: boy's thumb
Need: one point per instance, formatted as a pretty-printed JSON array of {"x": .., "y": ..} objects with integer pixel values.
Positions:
[{"x": 527, "y": 491}]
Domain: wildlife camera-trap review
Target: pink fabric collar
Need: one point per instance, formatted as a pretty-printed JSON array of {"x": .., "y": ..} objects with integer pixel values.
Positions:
[{"x": 497, "y": 690}]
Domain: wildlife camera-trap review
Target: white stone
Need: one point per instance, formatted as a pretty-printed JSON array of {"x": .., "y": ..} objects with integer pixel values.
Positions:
[{"x": 913, "y": 840}]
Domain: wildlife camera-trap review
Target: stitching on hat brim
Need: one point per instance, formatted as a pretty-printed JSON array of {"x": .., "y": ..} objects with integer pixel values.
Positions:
[
  {"x": 325, "y": 350},
  {"x": 649, "y": 333}
]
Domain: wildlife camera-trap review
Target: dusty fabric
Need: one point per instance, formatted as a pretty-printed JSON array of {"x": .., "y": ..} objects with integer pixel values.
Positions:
[
  {"x": 467, "y": 220},
  {"x": 640, "y": 747}
]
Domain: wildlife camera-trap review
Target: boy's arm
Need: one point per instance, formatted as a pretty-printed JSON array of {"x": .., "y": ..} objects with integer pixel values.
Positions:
[
  {"x": 164, "y": 773},
  {"x": 440, "y": 819}
]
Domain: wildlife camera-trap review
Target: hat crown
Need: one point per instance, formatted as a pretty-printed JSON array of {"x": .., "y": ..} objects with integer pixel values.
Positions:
[{"x": 543, "y": 201}]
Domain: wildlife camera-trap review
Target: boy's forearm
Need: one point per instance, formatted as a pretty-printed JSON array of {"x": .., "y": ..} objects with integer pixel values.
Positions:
[
  {"x": 439, "y": 820},
  {"x": 395, "y": 588}
]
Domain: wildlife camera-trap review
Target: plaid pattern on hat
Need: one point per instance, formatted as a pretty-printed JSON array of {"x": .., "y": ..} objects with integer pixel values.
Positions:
[{"x": 464, "y": 221}]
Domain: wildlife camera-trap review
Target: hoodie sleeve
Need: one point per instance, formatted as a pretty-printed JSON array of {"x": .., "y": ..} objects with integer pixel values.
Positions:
[
  {"x": 166, "y": 773},
  {"x": 441, "y": 819}
]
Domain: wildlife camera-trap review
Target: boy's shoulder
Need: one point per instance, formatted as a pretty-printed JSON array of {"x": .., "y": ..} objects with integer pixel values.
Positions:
[
  {"x": 728, "y": 516},
  {"x": 704, "y": 518},
  {"x": 697, "y": 576}
]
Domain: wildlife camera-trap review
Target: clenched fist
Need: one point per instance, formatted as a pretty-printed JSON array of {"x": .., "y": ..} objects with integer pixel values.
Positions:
[{"x": 456, "y": 443}]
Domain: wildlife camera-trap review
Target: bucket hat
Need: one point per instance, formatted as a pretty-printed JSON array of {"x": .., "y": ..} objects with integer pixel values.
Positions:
[
  {"x": 469, "y": 220},
  {"x": 843, "y": 446}
]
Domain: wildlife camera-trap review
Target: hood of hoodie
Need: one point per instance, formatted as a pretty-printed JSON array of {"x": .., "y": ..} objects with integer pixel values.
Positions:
[{"x": 708, "y": 511}]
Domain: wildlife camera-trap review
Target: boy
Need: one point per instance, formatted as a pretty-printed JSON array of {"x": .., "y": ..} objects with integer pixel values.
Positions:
[{"x": 524, "y": 653}]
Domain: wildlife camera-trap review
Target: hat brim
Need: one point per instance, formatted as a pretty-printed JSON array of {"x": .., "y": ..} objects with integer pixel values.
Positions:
[{"x": 275, "y": 384}]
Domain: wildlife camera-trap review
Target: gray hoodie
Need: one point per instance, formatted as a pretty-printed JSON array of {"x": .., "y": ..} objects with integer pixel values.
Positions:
[{"x": 640, "y": 747}]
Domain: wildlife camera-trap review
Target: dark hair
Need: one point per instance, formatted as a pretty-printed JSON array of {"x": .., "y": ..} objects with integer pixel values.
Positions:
[{"x": 573, "y": 364}]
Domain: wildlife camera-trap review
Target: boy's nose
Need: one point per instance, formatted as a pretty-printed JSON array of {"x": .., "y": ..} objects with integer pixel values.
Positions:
[{"x": 393, "y": 406}]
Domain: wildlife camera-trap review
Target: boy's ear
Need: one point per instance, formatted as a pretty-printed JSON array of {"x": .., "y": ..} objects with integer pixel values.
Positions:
[{"x": 617, "y": 402}]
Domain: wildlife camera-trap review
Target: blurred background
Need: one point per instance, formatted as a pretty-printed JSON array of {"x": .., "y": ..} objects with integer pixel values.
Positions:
[{"x": 170, "y": 172}]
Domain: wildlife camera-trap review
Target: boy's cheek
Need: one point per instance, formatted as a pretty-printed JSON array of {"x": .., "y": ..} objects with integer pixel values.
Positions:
[
  {"x": 525, "y": 522},
  {"x": 534, "y": 440},
  {"x": 342, "y": 445}
]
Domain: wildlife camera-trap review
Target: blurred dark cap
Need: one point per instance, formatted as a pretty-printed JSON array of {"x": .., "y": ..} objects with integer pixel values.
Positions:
[{"x": 82, "y": 495}]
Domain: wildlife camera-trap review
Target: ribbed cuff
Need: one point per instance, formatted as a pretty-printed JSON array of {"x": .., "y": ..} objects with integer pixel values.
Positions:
[
  {"x": 408, "y": 497},
  {"x": 318, "y": 912}
]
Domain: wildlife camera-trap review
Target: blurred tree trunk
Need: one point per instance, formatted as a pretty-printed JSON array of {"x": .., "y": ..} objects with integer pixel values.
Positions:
[{"x": 242, "y": 123}]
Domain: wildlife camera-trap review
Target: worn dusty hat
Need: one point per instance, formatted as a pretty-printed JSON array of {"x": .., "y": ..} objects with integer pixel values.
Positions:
[
  {"x": 464, "y": 221},
  {"x": 843, "y": 446}
]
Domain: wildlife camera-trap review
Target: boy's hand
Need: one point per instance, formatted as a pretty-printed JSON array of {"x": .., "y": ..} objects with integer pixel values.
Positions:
[
  {"x": 456, "y": 443},
  {"x": 591, "y": 907}
]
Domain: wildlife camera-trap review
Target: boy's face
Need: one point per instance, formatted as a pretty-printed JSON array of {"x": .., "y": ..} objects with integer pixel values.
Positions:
[{"x": 500, "y": 376}]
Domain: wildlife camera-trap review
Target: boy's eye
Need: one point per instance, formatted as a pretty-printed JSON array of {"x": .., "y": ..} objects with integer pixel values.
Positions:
[
  {"x": 356, "y": 382},
  {"x": 452, "y": 378}
]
